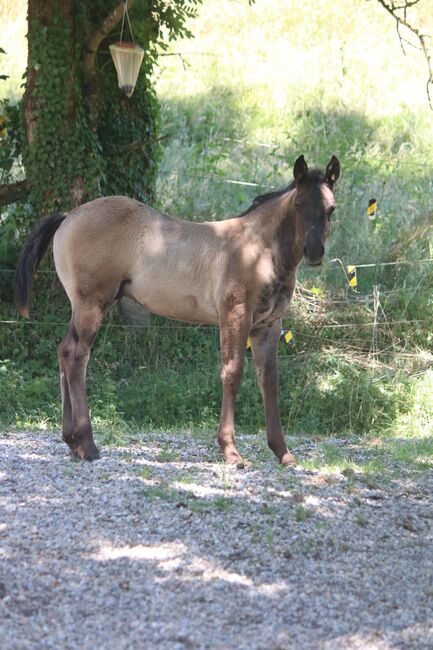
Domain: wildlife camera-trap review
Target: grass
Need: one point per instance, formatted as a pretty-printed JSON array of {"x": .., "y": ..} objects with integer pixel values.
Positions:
[
  {"x": 302, "y": 514},
  {"x": 312, "y": 83}
]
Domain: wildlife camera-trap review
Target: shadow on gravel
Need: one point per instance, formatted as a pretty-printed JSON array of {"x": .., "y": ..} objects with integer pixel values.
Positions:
[{"x": 142, "y": 550}]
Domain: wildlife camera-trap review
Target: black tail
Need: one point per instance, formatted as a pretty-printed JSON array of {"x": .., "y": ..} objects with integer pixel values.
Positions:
[{"x": 31, "y": 256}]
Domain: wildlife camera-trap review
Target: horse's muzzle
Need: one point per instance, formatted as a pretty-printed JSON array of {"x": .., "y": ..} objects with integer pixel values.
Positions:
[{"x": 314, "y": 257}]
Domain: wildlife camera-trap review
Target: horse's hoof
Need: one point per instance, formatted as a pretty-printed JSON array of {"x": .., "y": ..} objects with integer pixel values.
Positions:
[
  {"x": 235, "y": 460},
  {"x": 288, "y": 459},
  {"x": 91, "y": 454},
  {"x": 95, "y": 455}
]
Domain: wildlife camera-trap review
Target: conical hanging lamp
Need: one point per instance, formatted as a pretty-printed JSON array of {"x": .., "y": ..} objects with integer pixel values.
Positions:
[{"x": 127, "y": 58}]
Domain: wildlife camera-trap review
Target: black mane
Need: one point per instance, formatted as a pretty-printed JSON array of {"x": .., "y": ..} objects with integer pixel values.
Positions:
[{"x": 314, "y": 176}]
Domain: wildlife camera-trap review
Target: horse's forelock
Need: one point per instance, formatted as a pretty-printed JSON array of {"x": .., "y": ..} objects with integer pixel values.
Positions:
[{"x": 315, "y": 176}]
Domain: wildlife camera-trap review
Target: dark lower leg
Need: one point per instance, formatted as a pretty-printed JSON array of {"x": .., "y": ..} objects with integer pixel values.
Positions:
[
  {"x": 226, "y": 434},
  {"x": 67, "y": 423},
  {"x": 83, "y": 443},
  {"x": 235, "y": 322},
  {"x": 74, "y": 353},
  {"x": 274, "y": 430},
  {"x": 264, "y": 343}
]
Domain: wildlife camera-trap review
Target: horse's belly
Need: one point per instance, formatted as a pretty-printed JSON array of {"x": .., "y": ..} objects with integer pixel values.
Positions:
[{"x": 181, "y": 302}]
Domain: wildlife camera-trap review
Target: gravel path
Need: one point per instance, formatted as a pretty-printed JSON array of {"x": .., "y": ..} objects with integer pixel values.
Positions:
[{"x": 159, "y": 545}]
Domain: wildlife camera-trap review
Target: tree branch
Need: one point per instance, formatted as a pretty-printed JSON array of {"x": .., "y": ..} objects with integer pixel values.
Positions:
[
  {"x": 95, "y": 40},
  {"x": 13, "y": 192},
  {"x": 402, "y": 20}
]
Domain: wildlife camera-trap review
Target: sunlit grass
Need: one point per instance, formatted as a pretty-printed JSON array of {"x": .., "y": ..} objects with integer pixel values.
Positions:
[
  {"x": 281, "y": 53},
  {"x": 13, "y": 41}
]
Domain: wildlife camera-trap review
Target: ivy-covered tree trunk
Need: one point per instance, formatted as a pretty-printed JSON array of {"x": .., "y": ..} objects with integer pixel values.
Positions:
[
  {"x": 82, "y": 137},
  {"x": 60, "y": 168}
]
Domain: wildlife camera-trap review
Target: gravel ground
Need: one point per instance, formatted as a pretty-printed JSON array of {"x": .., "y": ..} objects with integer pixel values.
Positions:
[{"x": 159, "y": 544}]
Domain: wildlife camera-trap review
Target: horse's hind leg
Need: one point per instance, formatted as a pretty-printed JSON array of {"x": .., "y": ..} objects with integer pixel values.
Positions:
[
  {"x": 74, "y": 352},
  {"x": 67, "y": 423}
]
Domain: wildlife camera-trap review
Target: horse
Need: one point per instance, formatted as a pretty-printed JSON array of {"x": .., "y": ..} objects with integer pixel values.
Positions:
[{"x": 238, "y": 274}]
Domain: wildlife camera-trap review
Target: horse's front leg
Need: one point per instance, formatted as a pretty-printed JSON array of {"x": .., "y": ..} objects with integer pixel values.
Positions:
[
  {"x": 235, "y": 323},
  {"x": 264, "y": 345}
]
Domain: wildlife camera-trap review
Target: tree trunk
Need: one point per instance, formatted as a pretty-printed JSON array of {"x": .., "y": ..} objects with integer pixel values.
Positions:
[
  {"x": 78, "y": 126},
  {"x": 50, "y": 108}
]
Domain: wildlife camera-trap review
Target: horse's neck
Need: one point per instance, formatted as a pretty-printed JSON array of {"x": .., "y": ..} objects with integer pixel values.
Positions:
[{"x": 288, "y": 242}]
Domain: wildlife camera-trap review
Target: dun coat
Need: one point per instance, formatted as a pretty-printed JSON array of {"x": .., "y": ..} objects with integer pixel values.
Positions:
[{"x": 239, "y": 274}]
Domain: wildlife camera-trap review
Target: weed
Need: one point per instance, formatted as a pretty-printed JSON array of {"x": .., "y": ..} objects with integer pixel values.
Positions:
[
  {"x": 198, "y": 505},
  {"x": 187, "y": 479},
  {"x": 158, "y": 492},
  {"x": 223, "y": 503},
  {"x": 361, "y": 520},
  {"x": 144, "y": 472},
  {"x": 167, "y": 456},
  {"x": 226, "y": 481},
  {"x": 302, "y": 514}
]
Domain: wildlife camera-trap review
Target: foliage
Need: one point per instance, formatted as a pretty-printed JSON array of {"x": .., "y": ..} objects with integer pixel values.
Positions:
[
  {"x": 77, "y": 155},
  {"x": 64, "y": 148}
]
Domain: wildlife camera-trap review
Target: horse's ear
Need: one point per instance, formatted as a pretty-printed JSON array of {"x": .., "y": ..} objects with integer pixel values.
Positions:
[
  {"x": 332, "y": 171},
  {"x": 300, "y": 169}
]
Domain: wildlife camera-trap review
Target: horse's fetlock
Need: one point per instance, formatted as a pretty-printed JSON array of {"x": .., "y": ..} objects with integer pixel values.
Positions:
[
  {"x": 82, "y": 428},
  {"x": 68, "y": 436}
]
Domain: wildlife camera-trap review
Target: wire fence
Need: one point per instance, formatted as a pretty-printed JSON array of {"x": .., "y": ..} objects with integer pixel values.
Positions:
[{"x": 318, "y": 305}]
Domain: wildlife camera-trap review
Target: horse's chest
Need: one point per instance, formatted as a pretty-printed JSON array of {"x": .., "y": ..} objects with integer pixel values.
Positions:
[{"x": 274, "y": 301}]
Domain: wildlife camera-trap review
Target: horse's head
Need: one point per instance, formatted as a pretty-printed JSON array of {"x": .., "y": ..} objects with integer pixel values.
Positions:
[{"x": 314, "y": 204}]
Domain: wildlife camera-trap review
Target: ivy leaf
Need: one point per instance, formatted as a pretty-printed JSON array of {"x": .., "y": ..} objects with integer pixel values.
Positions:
[
  {"x": 4, "y": 76},
  {"x": 2, "y": 51}
]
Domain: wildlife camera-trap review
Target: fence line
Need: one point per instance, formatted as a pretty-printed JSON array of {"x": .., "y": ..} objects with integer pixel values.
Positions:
[
  {"x": 211, "y": 327},
  {"x": 214, "y": 178},
  {"x": 358, "y": 266},
  {"x": 355, "y": 160}
]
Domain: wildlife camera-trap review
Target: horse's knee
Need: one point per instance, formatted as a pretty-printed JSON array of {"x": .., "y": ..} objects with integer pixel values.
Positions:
[{"x": 64, "y": 350}]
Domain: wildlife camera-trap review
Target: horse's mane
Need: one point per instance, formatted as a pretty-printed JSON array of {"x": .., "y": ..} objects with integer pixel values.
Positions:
[{"x": 313, "y": 175}]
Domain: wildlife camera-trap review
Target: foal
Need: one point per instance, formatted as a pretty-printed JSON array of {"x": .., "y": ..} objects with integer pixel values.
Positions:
[{"x": 239, "y": 274}]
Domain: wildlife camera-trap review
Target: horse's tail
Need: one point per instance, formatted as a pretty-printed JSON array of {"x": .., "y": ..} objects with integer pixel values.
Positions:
[{"x": 31, "y": 256}]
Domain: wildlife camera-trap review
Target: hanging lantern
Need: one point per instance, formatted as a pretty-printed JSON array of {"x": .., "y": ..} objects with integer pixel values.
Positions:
[{"x": 127, "y": 59}]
